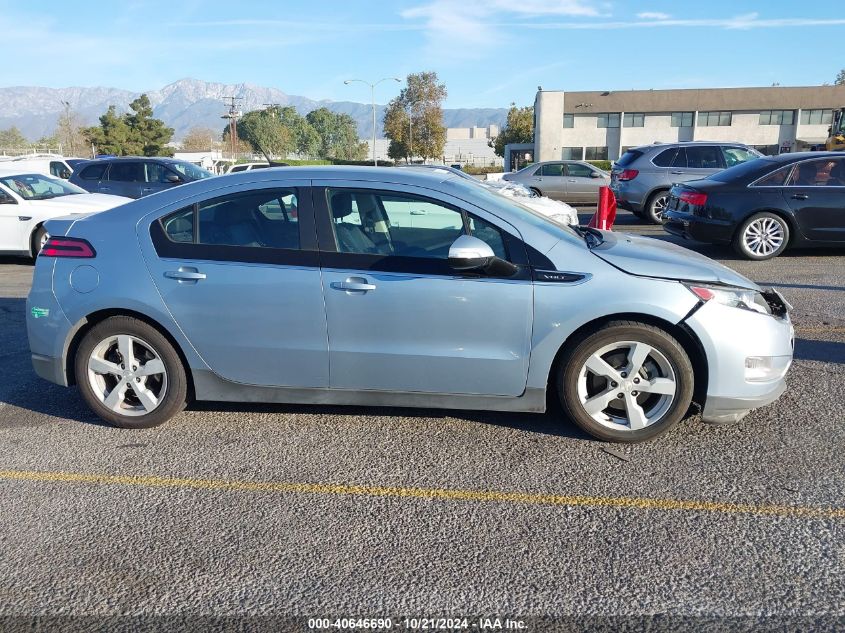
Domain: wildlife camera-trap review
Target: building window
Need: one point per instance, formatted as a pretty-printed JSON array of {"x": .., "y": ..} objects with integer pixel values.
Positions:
[
  {"x": 608, "y": 119},
  {"x": 572, "y": 153},
  {"x": 711, "y": 119},
  {"x": 682, "y": 119},
  {"x": 596, "y": 153},
  {"x": 568, "y": 120},
  {"x": 777, "y": 117},
  {"x": 816, "y": 117},
  {"x": 634, "y": 119}
]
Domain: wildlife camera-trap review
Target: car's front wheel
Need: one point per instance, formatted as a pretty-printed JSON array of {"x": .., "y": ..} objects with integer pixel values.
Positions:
[
  {"x": 655, "y": 208},
  {"x": 537, "y": 192},
  {"x": 762, "y": 236},
  {"x": 626, "y": 382},
  {"x": 130, "y": 374},
  {"x": 39, "y": 239}
]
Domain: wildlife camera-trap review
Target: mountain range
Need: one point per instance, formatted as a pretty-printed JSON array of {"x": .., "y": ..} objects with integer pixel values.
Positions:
[{"x": 191, "y": 103}]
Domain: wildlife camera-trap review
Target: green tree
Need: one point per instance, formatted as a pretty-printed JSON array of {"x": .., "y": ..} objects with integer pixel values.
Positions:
[
  {"x": 148, "y": 136},
  {"x": 111, "y": 136},
  {"x": 336, "y": 135},
  {"x": 135, "y": 133},
  {"x": 276, "y": 132},
  {"x": 422, "y": 100},
  {"x": 12, "y": 139},
  {"x": 840, "y": 78},
  {"x": 519, "y": 128}
]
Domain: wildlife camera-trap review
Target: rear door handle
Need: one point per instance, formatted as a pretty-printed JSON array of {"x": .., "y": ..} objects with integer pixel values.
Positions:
[
  {"x": 677, "y": 173},
  {"x": 799, "y": 196},
  {"x": 418, "y": 212},
  {"x": 101, "y": 188},
  {"x": 146, "y": 189},
  {"x": 185, "y": 274},
  {"x": 353, "y": 284}
]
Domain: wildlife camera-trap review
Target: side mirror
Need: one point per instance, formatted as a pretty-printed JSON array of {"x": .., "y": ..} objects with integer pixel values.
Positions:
[
  {"x": 470, "y": 253},
  {"x": 595, "y": 174},
  {"x": 172, "y": 179}
]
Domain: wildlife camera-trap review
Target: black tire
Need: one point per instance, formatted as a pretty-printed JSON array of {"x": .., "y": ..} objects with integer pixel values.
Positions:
[
  {"x": 766, "y": 219},
  {"x": 35, "y": 242},
  {"x": 537, "y": 191},
  {"x": 653, "y": 211},
  {"x": 667, "y": 413},
  {"x": 175, "y": 394}
]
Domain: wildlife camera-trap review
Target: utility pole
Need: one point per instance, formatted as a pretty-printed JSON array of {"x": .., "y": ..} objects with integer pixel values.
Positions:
[
  {"x": 233, "y": 114},
  {"x": 373, "y": 99}
]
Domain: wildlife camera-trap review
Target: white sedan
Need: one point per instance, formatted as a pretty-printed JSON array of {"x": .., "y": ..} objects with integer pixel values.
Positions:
[{"x": 29, "y": 200}]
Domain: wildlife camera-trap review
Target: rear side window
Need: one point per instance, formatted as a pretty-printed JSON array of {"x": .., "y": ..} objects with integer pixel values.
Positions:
[
  {"x": 93, "y": 172},
  {"x": 266, "y": 218},
  {"x": 775, "y": 179},
  {"x": 666, "y": 157},
  {"x": 553, "y": 169},
  {"x": 127, "y": 172},
  {"x": 706, "y": 157},
  {"x": 629, "y": 157}
]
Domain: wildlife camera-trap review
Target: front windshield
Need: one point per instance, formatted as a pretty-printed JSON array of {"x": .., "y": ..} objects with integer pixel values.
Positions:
[
  {"x": 39, "y": 187},
  {"x": 189, "y": 170}
]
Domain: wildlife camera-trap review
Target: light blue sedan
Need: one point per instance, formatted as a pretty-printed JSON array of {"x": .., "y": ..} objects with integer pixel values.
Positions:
[{"x": 366, "y": 286}]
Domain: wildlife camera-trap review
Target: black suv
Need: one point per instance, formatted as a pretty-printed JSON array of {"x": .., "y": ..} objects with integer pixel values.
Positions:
[{"x": 135, "y": 176}]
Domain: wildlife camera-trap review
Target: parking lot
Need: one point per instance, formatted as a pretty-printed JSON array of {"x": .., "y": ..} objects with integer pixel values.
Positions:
[{"x": 282, "y": 510}]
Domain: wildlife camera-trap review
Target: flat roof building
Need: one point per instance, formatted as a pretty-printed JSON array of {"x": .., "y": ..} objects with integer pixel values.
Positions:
[{"x": 600, "y": 125}]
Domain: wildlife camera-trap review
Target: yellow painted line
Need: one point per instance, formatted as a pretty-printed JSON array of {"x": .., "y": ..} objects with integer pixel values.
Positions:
[
  {"x": 820, "y": 329},
  {"x": 445, "y": 494}
]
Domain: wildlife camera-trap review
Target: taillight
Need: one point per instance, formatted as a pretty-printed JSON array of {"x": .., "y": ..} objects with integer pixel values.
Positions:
[
  {"x": 68, "y": 247},
  {"x": 629, "y": 174},
  {"x": 695, "y": 198}
]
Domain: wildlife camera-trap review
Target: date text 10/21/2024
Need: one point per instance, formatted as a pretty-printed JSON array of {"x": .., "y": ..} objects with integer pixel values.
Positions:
[{"x": 419, "y": 624}]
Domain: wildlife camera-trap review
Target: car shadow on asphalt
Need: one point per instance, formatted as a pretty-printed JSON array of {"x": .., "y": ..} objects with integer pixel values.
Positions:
[
  {"x": 552, "y": 422},
  {"x": 820, "y": 351}
]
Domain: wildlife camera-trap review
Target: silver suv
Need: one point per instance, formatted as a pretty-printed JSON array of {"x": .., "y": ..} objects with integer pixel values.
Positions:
[{"x": 641, "y": 179}]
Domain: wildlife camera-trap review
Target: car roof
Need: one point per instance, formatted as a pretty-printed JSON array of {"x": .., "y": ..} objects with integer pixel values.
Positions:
[
  {"x": 796, "y": 156},
  {"x": 652, "y": 146},
  {"x": 116, "y": 159}
]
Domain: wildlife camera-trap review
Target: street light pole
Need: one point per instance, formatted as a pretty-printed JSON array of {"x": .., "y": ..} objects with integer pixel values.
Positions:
[{"x": 373, "y": 99}]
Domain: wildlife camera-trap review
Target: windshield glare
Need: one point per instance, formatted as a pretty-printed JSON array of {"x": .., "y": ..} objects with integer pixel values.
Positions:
[
  {"x": 189, "y": 170},
  {"x": 39, "y": 187}
]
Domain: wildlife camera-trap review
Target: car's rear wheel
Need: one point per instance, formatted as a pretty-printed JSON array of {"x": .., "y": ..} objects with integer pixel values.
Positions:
[
  {"x": 536, "y": 191},
  {"x": 130, "y": 374},
  {"x": 626, "y": 382},
  {"x": 655, "y": 208},
  {"x": 39, "y": 239},
  {"x": 762, "y": 236}
]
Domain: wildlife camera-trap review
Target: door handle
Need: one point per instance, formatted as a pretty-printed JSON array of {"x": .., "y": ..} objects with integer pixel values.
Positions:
[
  {"x": 799, "y": 196},
  {"x": 354, "y": 284},
  {"x": 571, "y": 180},
  {"x": 101, "y": 188},
  {"x": 146, "y": 189},
  {"x": 677, "y": 173},
  {"x": 185, "y": 274},
  {"x": 418, "y": 212}
]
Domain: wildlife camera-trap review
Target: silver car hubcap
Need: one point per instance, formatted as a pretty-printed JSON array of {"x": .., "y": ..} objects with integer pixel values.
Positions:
[
  {"x": 43, "y": 241},
  {"x": 627, "y": 386},
  {"x": 659, "y": 206},
  {"x": 127, "y": 375},
  {"x": 763, "y": 236}
]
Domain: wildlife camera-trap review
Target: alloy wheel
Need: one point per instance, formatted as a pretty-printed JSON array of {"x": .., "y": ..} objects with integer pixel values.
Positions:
[
  {"x": 763, "y": 236},
  {"x": 627, "y": 386},
  {"x": 658, "y": 207},
  {"x": 127, "y": 375}
]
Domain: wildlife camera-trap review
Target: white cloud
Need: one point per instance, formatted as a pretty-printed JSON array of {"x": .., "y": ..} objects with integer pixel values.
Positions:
[{"x": 653, "y": 15}]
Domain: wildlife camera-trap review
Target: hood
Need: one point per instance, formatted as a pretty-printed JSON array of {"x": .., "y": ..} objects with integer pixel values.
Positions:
[
  {"x": 79, "y": 203},
  {"x": 649, "y": 257}
]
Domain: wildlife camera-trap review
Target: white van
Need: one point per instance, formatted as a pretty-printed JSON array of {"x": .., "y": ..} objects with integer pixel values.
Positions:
[{"x": 47, "y": 164}]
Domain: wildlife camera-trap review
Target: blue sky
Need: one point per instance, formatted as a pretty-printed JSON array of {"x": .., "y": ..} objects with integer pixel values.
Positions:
[{"x": 488, "y": 52}]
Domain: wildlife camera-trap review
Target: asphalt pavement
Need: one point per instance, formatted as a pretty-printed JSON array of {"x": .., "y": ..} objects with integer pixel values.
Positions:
[{"x": 279, "y": 513}]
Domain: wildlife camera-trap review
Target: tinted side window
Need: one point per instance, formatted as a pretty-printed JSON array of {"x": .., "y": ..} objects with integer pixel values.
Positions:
[
  {"x": 93, "y": 172},
  {"x": 552, "y": 169},
  {"x": 665, "y": 158},
  {"x": 578, "y": 171},
  {"x": 265, "y": 218},
  {"x": 155, "y": 172},
  {"x": 258, "y": 219},
  {"x": 628, "y": 157},
  {"x": 775, "y": 179},
  {"x": 707, "y": 157},
  {"x": 126, "y": 172},
  {"x": 680, "y": 159}
]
